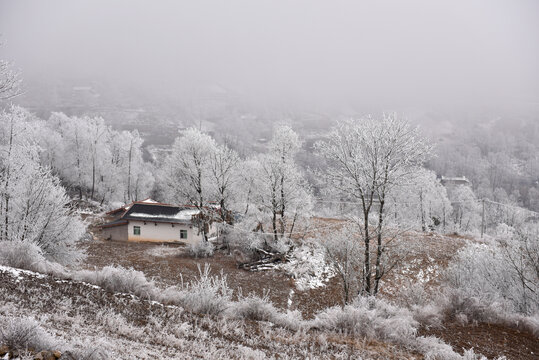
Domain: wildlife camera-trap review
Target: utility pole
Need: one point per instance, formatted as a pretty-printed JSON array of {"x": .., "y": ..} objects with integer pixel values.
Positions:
[{"x": 483, "y": 218}]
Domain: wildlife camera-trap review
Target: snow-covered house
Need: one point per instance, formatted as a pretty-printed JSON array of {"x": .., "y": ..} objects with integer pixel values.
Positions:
[
  {"x": 149, "y": 220},
  {"x": 455, "y": 181}
]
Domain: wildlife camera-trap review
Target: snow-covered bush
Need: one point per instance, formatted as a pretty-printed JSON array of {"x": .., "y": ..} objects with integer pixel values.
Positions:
[
  {"x": 206, "y": 295},
  {"x": 21, "y": 255},
  {"x": 502, "y": 271},
  {"x": 97, "y": 349},
  {"x": 201, "y": 249},
  {"x": 429, "y": 316},
  {"x": 371, "y": 318},
  {"x": 470, "y": 309},
  {"x": 25, "y": 333},
  {"x": 412, "y": 293},
  {"x": 435, "y": 349},
  {"x": 28, "y": 256},
  {"x": 253, "y": 307},
  {"x": 244, "y": 241},
  {"x": 344, "y": 252},
  {"x": 119, "y": 280}
]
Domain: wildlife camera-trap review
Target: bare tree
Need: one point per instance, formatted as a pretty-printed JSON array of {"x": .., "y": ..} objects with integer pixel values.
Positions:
[{"x": 365, "y": 159}]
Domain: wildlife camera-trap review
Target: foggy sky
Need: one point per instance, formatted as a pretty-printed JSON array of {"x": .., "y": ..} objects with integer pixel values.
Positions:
[{"x": 387, "y": 52}]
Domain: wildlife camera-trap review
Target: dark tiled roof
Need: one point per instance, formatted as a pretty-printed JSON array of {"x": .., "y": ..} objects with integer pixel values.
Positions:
[{"x": 157, "y": 213}]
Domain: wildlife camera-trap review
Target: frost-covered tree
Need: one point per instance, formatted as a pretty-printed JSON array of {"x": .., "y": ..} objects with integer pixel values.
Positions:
[
  {"x": 10, "y": 81},
  {"x": 365, "y": 160},
  {"x": 33, "y": 205},
  {"x": 420, "y": 203},
  {"x": 94, "y": 160},
  {"x": 75, "y": 164},
  {"x": 466, "y": 209},
  {"x": 186, "y": 172},
  {"x": 280, "y": 193},
  {"x": 224, "y": 176},
  {"x": 503, "y": 270}
]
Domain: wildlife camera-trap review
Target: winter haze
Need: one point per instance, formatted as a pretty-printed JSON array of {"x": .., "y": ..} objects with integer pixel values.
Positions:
[
  {"x": 319, "y": 53},
  {"x": 269, "y": 179}
]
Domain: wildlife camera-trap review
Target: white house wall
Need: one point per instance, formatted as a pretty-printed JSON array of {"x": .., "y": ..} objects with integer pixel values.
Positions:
[
  {"x": 115, "y": 233},
  {"x": 162, "y": 232}
]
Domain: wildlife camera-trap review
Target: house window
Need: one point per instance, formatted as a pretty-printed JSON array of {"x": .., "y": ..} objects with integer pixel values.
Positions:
[
  {"x": 183, "y": 234},
  {"x": 136, "y": 230}
]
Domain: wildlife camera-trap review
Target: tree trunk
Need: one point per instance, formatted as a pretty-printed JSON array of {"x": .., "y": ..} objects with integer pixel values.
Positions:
[
  {"x": 274, "y": 224},
  {"x": 93, "y": 172},
  {"x": 379, "y": 248},
  {"x": 129, "y": 172},
  {"x": 423, "y": 225},
  {"x": 367, "y": 275}
]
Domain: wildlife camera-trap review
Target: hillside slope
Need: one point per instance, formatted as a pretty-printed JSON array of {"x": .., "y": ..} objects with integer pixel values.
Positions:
[{"x": 120, "y": 326}]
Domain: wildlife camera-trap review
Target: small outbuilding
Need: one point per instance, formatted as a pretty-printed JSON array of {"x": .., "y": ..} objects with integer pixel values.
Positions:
[{"x": 149, "y": 220}]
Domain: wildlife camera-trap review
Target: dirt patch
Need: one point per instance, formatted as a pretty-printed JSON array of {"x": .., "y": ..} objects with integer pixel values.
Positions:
[
  {"x": 491, "y": 340},
  {"x": 168, "y": 264}
]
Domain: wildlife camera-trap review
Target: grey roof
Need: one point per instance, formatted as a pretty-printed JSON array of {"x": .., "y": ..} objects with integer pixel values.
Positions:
[{"x": 157, "y": 213}]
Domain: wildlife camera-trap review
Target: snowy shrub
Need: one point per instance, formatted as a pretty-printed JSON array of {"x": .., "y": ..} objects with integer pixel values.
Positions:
[
  {"x": 344, "y": 252},
  {"x": 371, "y": 318},
  {"x": 429, "y": 315},
  {"x": 253, "y": 307},
  {"x": 207, "y": 294},
  {"x": 25, "y": 333},
  {"x": 164, "y": 251},
  {"x": 98, "y": 349},
  {"x": 119, "y": 280},
  {"x": 244, "y": 241},
  {"x": 201, "y": 249},
  {"x": 464, "y": 308},
  {"x": 503, "y": 271},
  {"x": 412, "y": 294},
  {"x": 22, "y": 255},
  {"x": 435, "y": 349},
  {"x": 28, "y": 256},
  {"x": 257, "y": 308}
]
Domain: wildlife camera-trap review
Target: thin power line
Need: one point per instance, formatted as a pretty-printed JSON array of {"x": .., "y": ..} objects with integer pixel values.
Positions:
[
  {"x": 511, "y": 206},
  {"x": 395, "y": 203},
  {"x": 286, "y": 233}
]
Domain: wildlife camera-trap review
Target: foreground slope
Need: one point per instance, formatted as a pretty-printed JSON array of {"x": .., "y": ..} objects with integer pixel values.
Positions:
[{"x": 125, "y": 327}]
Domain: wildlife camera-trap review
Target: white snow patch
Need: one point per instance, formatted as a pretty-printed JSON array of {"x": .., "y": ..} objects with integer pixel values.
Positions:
[
  {"x": 149, "y": 201},
  {"x": 17, "y": 272},
  {"x": 307, "y": 265},
  {"x": 181, "y": 215},
  {"x": 186, "y": 214}
]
